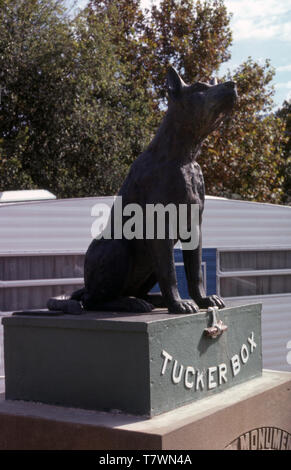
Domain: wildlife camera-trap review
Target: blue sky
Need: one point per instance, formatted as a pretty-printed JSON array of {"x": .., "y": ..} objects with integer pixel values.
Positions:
[{"x": 261, "y": 30}]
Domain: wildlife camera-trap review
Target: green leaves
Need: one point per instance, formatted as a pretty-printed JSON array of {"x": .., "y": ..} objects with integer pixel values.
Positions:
[
  {"x": 82, "y": 97},
  {"x": 249, "y": 144},
  {"x": 284, "y": 114}
]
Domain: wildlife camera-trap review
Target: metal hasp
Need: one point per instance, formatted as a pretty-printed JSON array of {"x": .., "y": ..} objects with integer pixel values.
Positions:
[{"x": 217, "y": 327}]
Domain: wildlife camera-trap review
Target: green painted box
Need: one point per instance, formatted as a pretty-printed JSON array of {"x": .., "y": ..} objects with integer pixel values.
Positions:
[{"x": 137, "y": 364}]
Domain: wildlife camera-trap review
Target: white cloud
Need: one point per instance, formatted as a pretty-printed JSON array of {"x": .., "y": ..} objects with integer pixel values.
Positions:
[
  {"x": 262, "y": 19},
  {"x": 284, "y": 85},
  {"x": 248, "y": 29},
  {"x": 284, "y": 68},
  {"x": 259, "y": 19},
  {"x": 258, "y": 8}
]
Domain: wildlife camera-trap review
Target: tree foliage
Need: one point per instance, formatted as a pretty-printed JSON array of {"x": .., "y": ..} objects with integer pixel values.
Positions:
[
  {"x": 82, "y": 97},
  {"x": 36, "y": 59},
  {"x": 284, "y": 113},
  {"x": 111, "y": 117},
  {"x": 243, "y": 159},
  {"x": 67, "y": 123},
  {"x": 194, "y": 37}
]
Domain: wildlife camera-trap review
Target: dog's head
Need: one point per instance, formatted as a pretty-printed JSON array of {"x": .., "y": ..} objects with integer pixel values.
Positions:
[{"x": 200, "y": 107}]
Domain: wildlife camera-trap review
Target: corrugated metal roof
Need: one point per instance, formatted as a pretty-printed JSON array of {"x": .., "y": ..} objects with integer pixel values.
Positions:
[
  {"x": 276, "y": 328},
  {"x": 230, "y": 223},
  {"x": 65, "y": 225},
  {"x": 50, "y": 226},
  {"x": 25, "y": 195}
]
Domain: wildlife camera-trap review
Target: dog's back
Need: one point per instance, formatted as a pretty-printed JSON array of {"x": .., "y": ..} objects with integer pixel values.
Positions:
[{"x": 119, "y": 273}]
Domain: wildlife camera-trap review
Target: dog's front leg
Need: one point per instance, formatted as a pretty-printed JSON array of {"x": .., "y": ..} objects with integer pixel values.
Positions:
[
  {"x": 164, "y": 266},
  {"x": 193, "y": 268}
]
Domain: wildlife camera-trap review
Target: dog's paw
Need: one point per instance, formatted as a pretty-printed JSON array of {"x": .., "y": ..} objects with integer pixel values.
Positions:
[
  {"x": 211, "y": 301},
  {"x": 68, "y": 306},
  {"x": 139, "y": 305},
  {"x": 183, "y": 306}
]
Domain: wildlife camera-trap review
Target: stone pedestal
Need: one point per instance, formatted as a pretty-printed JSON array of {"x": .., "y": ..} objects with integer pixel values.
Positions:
[
  {"x": 138, "y": 364},
  {"x": 253, "y": 415}
]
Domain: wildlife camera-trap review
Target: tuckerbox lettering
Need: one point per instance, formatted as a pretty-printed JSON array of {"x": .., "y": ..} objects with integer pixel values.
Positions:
[{"x": 212, "y": 377}]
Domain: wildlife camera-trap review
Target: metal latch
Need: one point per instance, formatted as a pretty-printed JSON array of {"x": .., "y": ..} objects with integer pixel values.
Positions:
[{"x": 217, "y": 327}]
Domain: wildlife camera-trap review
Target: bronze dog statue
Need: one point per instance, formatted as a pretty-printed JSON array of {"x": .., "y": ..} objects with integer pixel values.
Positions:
[{"x": 119, "y": 273}]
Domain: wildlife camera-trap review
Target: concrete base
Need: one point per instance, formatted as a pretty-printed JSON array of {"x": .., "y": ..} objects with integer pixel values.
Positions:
[
  {"x": 252, "y": 415},
  {"x": 138, "y": 364}
]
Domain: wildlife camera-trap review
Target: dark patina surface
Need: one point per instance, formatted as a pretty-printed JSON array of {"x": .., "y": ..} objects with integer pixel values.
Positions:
[{"x": 119, "y": 273}]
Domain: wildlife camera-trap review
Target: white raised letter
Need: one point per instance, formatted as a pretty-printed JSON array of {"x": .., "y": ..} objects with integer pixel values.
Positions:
[
  {"x": 251, "y": 341},
  {"x": 167, "y": 357},
  {"x": 176, "y": 379},
  {"x": 211, "y": 381},
  {"x": 244, "y": 354},
  {"x": 189, "y": 370},
  {"x": 222, "y": 370},
  {"x": 235, "y": 364},
  {"x": 199, "y": 380}
]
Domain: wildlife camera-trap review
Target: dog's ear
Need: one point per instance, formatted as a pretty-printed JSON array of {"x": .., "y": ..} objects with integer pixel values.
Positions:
[
  {"x": 213, "y": 81},
  {"x": 174, "y": 83}
]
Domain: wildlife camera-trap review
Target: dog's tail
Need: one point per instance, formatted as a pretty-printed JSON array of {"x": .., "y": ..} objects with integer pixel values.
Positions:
[{"x": 71, "y": 305}]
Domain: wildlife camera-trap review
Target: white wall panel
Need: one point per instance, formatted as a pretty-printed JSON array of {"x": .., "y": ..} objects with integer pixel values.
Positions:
[
  {"x": 64, "y": 226},
  {"x": 276, "y": 328}
]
